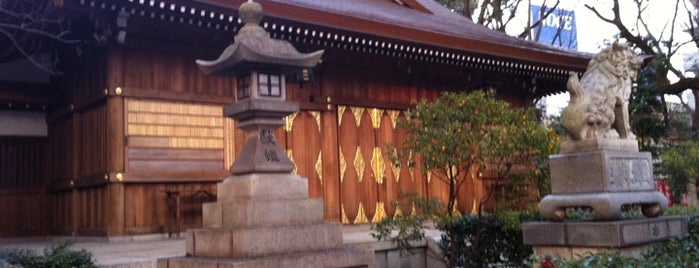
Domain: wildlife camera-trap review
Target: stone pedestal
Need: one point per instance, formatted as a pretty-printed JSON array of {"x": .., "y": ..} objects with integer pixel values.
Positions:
[
  {"x": 603, "y": 175},
  {"x": 267, "y": 220},
  {"x": 575, "y": 239},
  {"x": 603, "y": 180}
]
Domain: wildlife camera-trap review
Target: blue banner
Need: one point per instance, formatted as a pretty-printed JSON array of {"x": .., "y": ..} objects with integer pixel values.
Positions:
[{"x": 557, "y": 29}]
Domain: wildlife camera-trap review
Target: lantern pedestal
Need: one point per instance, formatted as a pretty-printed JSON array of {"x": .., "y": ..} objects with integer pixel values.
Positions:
[{"x": 267, "y": 220}]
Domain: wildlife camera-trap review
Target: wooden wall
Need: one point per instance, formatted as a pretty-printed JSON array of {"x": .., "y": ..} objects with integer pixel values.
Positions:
[
  {"x": 130, "y": 126},
  {"x": 22, "y": 175},
  {"x": 134, "y": 123},
  {"x": 22, "y": 161},
  {"x": 343, "y": 143}
]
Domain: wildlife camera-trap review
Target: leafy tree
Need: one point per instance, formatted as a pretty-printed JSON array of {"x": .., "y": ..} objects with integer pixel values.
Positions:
[
  {"x": 680, "y": 164},
  {"x": 465, "y": 135},
  {"x": 647, "y": 112},
  {"x": 516, "y": 158},
  {"x": 462, "y": 136}
]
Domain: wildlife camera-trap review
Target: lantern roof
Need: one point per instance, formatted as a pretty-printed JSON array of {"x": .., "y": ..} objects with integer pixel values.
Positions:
[{"x": 254, "y": 48}]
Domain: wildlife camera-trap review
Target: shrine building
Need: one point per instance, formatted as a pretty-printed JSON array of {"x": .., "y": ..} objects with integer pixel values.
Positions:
[{"x": 133, "y": 129}]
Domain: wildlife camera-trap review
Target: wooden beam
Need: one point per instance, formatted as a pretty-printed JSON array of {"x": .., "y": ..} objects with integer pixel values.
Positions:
[
  {"x": 168, "y": 176},
  {"x": 133, "y": 92}
]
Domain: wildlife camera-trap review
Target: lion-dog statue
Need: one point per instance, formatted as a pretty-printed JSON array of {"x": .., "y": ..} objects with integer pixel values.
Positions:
[{"x": 601, "y": 97}]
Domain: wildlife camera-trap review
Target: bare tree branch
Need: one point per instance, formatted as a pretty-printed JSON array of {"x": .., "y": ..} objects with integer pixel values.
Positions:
[
  {"x": 599, "y": 15},
  {"x": 34, "y": 30},
  {"x": 681, "y": 85},
  {"x": 543, "y": 16},
  {"x": 49, "y": 35}
]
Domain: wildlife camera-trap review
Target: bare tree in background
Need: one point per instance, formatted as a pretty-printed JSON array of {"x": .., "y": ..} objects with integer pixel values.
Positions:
[
  {"x": 662, "y": 45},
  {"x": 497, "y": 14},
  {"x": 32, "y": 29}
]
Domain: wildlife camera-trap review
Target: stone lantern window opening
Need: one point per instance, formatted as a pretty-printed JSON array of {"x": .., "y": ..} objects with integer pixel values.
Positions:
[
  {"x": 243, "y": 87},
  {"x": 270, "y": 85},
  {"x": 263, "y": 84}
]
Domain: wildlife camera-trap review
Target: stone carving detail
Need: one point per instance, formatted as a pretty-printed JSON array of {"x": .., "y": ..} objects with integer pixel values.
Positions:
[
  {"x": 630, "y": 173},
  {"x": 601, "y": 97}
]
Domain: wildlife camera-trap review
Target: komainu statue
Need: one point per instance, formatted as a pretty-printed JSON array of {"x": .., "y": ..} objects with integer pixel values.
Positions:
[{"x": 601, "y": 97}]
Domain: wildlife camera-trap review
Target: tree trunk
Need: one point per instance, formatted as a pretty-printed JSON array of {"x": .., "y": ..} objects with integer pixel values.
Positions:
[
  {"x": 452, "y": 197},
  {"x": 695, "y": 113},
  {"x": 691, "y": 194},
  {"x": 466, "y": 10}
]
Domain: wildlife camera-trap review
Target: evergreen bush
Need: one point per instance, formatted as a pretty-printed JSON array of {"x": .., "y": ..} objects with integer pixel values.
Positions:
[{"x": 58, "y": 255}]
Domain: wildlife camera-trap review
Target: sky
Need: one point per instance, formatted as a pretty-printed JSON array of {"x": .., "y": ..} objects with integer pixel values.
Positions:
[{"x": 594, "y": 34}]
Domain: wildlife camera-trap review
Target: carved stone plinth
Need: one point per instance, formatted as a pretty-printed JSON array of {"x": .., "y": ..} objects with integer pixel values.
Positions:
[
  {"x": 607, "y": 234},
  {"x": 603, "y": 180},
  {"x": 571, "y": 240}
]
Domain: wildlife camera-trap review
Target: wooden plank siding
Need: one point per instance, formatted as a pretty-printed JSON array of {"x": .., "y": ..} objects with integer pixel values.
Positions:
[
  {"x": 147, "y": 206},
  {"x": 62, "y": 216},
  {"x": 173, "y": 134},
  {"x": 23, "y": 211},
  {"x": 153, "y": 123},
  {"x": 22, "y": 176},
  {"x": 22, "y": 161}
]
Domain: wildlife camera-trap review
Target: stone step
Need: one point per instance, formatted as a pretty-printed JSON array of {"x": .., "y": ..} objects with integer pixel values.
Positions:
[
  {"x": 343, "y": 257},
  {"x": 134, "y": 264},
  {"x": 262, "y": 186},
  {"x": 251, "y": 213},
  {"x": 263, "y": 241}
]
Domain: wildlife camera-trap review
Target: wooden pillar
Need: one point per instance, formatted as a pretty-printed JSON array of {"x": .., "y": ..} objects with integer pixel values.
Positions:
[
  {"x": 331, "y": 164},
  {"x": 75, "y": 167},
  {"x": 115, "y": 142}
]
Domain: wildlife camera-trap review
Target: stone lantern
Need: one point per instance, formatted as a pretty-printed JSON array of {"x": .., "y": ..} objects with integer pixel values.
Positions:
[
  {"x": 263, "y": 216},
  {"x": 259, "y": 64}
]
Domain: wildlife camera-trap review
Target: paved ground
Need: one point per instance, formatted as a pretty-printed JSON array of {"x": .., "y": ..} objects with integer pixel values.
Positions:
[{"x": 142, "y": 251}]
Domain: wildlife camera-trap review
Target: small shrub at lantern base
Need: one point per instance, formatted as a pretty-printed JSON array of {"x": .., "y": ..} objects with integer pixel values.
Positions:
[{"x": 58, "y": 255}]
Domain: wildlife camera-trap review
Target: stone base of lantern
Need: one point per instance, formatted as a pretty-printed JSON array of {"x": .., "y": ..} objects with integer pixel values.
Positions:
[
  {"x": 326, "y": 258},
  {"x": 267, "y": 220}
]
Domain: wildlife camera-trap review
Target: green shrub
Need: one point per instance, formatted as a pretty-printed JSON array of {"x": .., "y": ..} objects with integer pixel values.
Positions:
[
  {"x": 58, "y": 255},
  {"x": 680, "y": 164},
  {"x": 407, "y": 225},
  {"x": 680, "y": 253},
  {"x": 692, "y": 214},
  {"x": 597, "y": 260},
  {"x": 489, "y": 240},
  {"x": 473, "y": 241}
]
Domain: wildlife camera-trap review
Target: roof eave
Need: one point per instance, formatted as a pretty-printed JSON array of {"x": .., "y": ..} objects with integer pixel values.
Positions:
[{"x": 355, "y": 24}]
